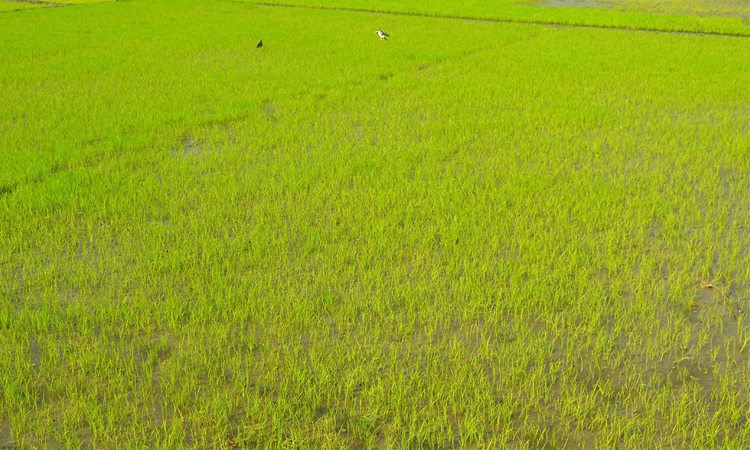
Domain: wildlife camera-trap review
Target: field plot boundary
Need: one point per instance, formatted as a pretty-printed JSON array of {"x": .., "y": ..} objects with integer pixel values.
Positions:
[
  {"x": 38, "y": 2},
  {"x": 13, "y": 6},
  {"x": 744, "y": 33}
]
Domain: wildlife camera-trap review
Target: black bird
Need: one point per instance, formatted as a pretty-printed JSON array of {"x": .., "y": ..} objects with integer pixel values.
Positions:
[
  {"x": 383, "y": 35},
  {"x": 260, "y": 44}
]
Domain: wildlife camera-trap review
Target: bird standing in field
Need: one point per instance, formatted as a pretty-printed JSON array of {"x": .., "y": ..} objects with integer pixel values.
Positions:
[
  {"x": 383, "y": 35},
  {"x": 260, "y": 44}
]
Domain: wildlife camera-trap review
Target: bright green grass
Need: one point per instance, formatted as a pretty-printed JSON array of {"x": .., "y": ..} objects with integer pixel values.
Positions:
[
  {"x": 491, "y": 239},
  {"x": 632, "y": 17}
]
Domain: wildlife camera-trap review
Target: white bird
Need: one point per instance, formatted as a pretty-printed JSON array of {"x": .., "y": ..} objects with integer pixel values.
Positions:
[{"x": 383, "y": 35}]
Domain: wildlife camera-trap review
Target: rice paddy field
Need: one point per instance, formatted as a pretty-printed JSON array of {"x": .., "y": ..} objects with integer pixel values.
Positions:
[{"x": 510, "y": 225}]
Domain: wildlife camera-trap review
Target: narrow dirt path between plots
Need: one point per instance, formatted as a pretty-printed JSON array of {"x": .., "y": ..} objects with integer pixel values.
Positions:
[
  {"x": 485, "y": 19},
  {"x": 37, "y": 2}
]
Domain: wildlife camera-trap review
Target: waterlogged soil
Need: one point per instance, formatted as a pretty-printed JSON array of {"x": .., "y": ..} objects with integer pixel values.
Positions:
[
  {"x": 676, "y": 370},
  {"x": 190, "y": 146},
  {"x": 712, "y": 301}
]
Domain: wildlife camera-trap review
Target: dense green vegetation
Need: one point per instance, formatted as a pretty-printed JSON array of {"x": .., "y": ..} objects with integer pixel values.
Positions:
[{"x": 472, "y": 235}]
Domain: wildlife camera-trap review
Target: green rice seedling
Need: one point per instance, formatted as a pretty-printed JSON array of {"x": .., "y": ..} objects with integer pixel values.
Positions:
[{"x": 491, "y": 239}]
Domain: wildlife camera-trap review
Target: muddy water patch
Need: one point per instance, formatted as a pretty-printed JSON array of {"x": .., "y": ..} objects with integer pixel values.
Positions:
[
  {"x": 270, "y": 110},
  {"x": 725, "y": 300},
  {"x": 208, "y": 138},
  {"x": 189, "y": 146}
]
